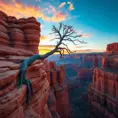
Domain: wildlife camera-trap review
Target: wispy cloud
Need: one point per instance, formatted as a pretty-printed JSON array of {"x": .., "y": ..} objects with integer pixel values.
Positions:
[
  {"x": 50, "y": 9},
  {"x": 71, "y": 7},
  {"x": 86, "y": 35},
  {"x": 21, "y": 10},
  {"x": 46, "y": 48},
  {"x": 72, "y": 17},
  {"x": 37, "y": 0},
  {"x": 42, "y": 26},
  {"x": 58, "y": 16},
  {"x": 89, "y": 50},
  {"x": 44, "y": 37},
  {"x": 62, "y": 4}
]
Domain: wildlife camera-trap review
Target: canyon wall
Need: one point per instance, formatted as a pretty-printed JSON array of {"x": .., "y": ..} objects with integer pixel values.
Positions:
[
  {"x": 59, "y": 90},
  {"x": 87, "y": 73},
  {"x": 19, "y": 39},
  {"x": 19, "y": 33},
  {"x": 112, "y": 48},
  {"x": 13, "y": 99},
  {"x": 103, "y": 91}
]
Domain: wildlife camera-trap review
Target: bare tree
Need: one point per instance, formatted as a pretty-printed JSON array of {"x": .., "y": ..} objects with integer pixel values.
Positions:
[{"x": 63, "y": 34}]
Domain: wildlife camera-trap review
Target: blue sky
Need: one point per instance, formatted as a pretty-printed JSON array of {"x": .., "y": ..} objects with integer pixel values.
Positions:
[{"x": 96, "y": 19}]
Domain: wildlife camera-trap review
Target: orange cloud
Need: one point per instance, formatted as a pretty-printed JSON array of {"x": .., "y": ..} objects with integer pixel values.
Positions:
[
  {"x": 20, "y": 10},
  {"x": 43, "y": 49},
  {"x": 46, "y": 37},
  {"x": 43, "y": 37},
  {"x": 58, "y": 16},
  {"x": 71, "y": 7},
  {"x": 86, "y": 35},
  {"x": 62, "y": 4}
]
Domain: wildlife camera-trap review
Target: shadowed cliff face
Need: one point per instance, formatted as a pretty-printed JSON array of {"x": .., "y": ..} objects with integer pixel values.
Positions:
[
  {"x": 103, "y": 91},
  {"x": 78, "y": 77}
]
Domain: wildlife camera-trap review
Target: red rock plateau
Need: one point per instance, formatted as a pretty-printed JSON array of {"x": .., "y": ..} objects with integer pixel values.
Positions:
[
  {"x": 103, "y": 91},
  {"x": 19, "y": 39}
]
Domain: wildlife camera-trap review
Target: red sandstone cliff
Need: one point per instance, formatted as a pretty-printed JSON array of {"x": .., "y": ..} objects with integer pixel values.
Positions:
[
  {"x": 19, "y": 39},
  {"x": 22, "y": 33},
  {"x": 59, "y": 90},
  {"x": 112, "y": 48},
  {"x": 85, "y": 73},
  {"x": 13, "y": 100},
  {"x": 103, "y": 92}
]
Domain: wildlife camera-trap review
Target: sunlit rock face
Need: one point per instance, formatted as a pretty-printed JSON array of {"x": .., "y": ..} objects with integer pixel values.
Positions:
[
  {"x": 112, "y": 48},
  {"x": 13, "y": 100},
  {"x": 103, "y": 91},
  {"x": 19, "y": 40},
  {"x": 19, "y": 33}
]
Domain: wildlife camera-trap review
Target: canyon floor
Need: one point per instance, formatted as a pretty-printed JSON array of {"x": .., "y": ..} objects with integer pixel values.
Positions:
[{"x": 78, "y": 99}]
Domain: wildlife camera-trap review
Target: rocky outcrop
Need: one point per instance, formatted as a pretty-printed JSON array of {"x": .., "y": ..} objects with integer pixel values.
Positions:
[
  {"x": 103, "y": 92},
  {"x": 59, "y": 93},
  {"x": 13, "y": 99},
  {"x": 19, "y": 33},
  {"x": 18, "y": 41},
  {"x": 112, "y": 48},
  {"x": 87, "y": 73},
  {"x": 47, "y": 83}
]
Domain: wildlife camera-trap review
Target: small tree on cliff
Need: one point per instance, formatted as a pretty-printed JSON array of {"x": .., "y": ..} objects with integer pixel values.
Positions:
[{"x": 63, "y": 33}]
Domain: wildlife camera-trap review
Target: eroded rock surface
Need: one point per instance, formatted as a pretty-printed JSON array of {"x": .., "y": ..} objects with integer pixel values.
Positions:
[
  {"x": 103, "y": 91},
  {"x": 19, "y": 39}
]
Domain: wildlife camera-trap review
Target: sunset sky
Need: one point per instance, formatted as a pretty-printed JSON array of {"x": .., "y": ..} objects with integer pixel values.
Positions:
[{"x": 97, "y": 20}]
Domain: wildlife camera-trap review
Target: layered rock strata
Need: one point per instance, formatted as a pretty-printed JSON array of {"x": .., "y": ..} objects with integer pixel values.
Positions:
[
  {"x": 19, "y": 33},
  {"x": 59, "y": 92},
  {"x": 103, "y": 91},
  {"x": 19, "y": 39}
]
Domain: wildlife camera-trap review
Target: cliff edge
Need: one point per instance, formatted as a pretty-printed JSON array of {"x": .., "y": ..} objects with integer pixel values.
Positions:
[{"x": 19, "y": 39}]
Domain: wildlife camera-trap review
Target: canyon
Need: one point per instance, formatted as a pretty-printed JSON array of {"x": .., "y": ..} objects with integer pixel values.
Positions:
[
  {"x": 103, "y": 91},
  {"x": 77, "y": 86}
]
